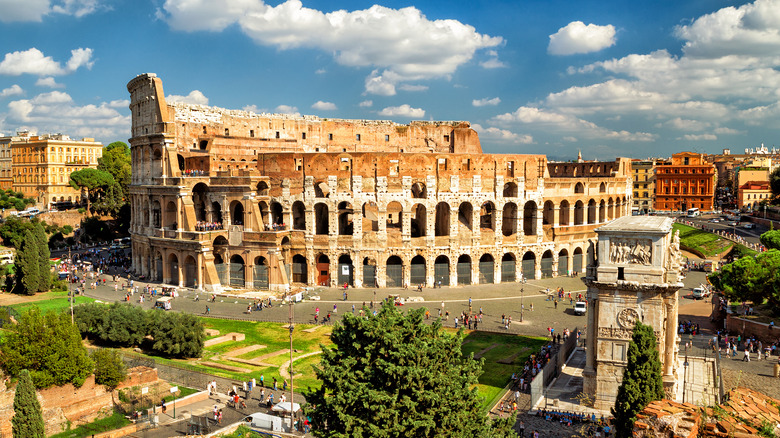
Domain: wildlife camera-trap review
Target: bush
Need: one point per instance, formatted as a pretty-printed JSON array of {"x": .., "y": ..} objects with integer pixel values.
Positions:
[
  {"x": 82, "y": 210},
  {"x": 109, "y": 368}
]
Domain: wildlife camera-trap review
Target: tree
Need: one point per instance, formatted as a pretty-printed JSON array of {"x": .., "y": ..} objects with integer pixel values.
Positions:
[
  {"x": 176, "y": 334},
  {"x": 28, "y": 267},
  {"x": 47, "y": 345},
  {"x": 12, "y": 230},
  {"x": 27, "y": 421},
  {"x": 642, "y": 382},
  {"x": 392, "y": 375},
  {"x": 91, "y": 180},
  {"x": 109, "y": 368},
  {"x": 116, "y": 161},
  {"x": 111, "y": 201},
  {"x": 774, "y": 183},
  {"x": 751, "y": 278},
  {"x": 42, "y": 247},
  {"x": 771, "y": 239}
]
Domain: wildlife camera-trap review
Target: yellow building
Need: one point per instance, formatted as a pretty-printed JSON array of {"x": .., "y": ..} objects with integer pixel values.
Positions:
[
  {"x": 41, "y": 165},
  {"x": 643, "y": 175},
  {"x": 6, "y": 182}
]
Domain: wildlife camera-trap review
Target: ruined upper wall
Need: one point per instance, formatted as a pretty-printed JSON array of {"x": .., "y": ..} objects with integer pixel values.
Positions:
[{"x": 594, "y": 169}]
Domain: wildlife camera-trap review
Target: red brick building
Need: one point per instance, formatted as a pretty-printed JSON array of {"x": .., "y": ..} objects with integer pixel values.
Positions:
[{"x": 689, "y": 182}]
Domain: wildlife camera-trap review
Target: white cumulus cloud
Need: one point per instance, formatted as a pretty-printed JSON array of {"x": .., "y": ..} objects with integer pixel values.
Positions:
[
  {"x": 35, "y": 10},
  {"x": 501, "y": 135},
  {"x": 287, "y": 109},
  {"x": 33, "y": 61},
  {"x": 48, "y": 82},
  {"x": 492, "y": 61},
  {"x": 195, "y": 97},
  {"x": 324, "y": 106},
  {"x": 402, "y": 111},
  {"x": 401, "y": 45},
  {"x": 486, "y": 101},
  {"x": 366, "y": 104},
  {"x": 577, "y": 37},
  {"x": 13, "y": 90},
  {"x": 410, "y": 87},
  {"x": 698, "y": 137}
]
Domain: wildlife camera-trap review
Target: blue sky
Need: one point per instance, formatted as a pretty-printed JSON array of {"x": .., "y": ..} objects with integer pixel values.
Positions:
[{"x": 610, "y": 78}]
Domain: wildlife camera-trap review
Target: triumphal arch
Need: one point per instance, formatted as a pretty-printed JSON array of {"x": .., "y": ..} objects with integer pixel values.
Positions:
[{"x": 634, "y": 276}]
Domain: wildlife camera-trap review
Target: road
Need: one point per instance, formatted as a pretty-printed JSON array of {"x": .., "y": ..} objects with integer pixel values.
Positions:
[{"x": 750, "y": 235}]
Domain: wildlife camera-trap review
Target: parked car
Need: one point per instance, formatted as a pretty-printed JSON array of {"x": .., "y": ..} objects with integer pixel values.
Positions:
[
  {"x": 700, "y": 292},
  {"x": 749, "y": 225},
  {"x": 580, "y": 307}
]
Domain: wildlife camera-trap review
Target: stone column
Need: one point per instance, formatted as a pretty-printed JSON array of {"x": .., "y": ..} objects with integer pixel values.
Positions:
[
  {"x": 556, "y": 215},
  {"x": 591, "y": 336},
  {"x": 572, "y": 209},
  {"x": 670, "y": 340}
]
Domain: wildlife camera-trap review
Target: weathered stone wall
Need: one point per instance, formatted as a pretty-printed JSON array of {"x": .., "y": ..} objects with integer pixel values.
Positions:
[{"x": 747, "y": 328}]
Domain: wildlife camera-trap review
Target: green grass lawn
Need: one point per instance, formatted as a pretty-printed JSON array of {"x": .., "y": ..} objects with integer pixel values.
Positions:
[
  {"x": 705, "y": 242},
  {"x": 51, "y": 301},
  {"x": 115, "y": 421}
]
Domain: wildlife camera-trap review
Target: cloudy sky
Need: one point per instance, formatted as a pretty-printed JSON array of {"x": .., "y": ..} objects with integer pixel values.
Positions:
[{"x": 610, "y": 77}]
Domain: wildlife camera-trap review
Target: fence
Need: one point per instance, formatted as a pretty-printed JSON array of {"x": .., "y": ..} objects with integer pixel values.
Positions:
[
  {"x": 552, "y": 369},
  {"x": 702, "y": 381}
]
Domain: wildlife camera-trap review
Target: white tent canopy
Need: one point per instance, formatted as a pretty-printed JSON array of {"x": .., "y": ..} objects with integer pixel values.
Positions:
[{"x": 285, "y": 407}]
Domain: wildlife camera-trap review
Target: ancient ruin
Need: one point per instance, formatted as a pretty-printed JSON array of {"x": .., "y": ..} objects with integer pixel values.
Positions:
[
  {"x": 224, "y": 198},
  {"x": 634, "y": 276}
]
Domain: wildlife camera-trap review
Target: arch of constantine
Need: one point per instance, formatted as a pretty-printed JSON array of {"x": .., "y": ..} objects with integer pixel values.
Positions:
[{"x": 224, "y": 198}]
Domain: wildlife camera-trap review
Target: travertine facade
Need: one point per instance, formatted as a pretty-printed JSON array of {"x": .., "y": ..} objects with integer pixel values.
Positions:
[
  {"x": 634, "y": 276},
  {"x": 229, "y": 198}
]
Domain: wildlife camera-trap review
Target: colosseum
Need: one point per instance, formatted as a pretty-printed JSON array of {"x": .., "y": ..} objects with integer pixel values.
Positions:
[{"x": 233, "y": 199}]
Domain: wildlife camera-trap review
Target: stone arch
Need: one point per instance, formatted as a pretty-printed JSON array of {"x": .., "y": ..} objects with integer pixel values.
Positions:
[
  {"x": 417, "y": 271},
  {"x": 548, "y": 213},
  {"x": 277, "y": 213},
  {"x": 563, "y": 213},
  {"x": 260, "y": 278},
  {"x": 265, "y": 214},
  {"x": 395, "y": 214},
  {"x": 441, "y": 270},
  {"x": 237, "y": 213},
  {"x": 510, "y": 190},
  {"x": 262, "y": 188},
  {"x": 200, "y": 195},
  {"x": 464, "y": 269},
  {"x": 610, "y": 208},
  {"x": 529, "y": 265},
  {"x": 563, "y": 262},
  {"x": 602, "y": 211},
  {"x": 173, "y": 269},
  {"x": 345, "y": 270},
  {"x": 156, "y": 213},
  {"x": 442, "y": 224},
  {"x": 418, "y": 190},
  {"x": 487, "y": 216},
  {"x": 170, "y": 215},
  {"x": 418, "y": 221},
  {"x": 602, "y": 186},
  {"x": 321, "y": 189},
  {"x": 369, "y": 272},
  {"x": 577, "y": 261},
  {"x": 579, "y": 188},
  {"x": 509, "y": 219},
  {"x": 508, "y": 268},
  {"x": 158, "y": 266},
  {"x": 529, "y": 218},
  {"x": 579, "y": 213},
  {"x": 394, "y": 269},
  {"x": 216, "y": 212},
  {"x": 323, "y": 270},
  {"x": 591, "y": 211},
  {"x": 321, "y": 220},
  {"x": 237, "y": 278},
  {"x": 190, "y": 272},
  {"x": 547, "y": 264},
  {"x": 346, "y": 225},
  {"x": 466, "y": 215},
  {"x": 298, "y": 215},
  {"x": 180, "y": 162},
  {"x": 300, "y": 269},
  {"x": 370, "y": 217},
  {"x": 486, "y": 269}
]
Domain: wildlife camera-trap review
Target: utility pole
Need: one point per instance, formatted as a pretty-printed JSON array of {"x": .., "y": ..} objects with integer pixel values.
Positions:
[
  {"x": 290, "y": 369},
  {"x": 70, "y": 294}
]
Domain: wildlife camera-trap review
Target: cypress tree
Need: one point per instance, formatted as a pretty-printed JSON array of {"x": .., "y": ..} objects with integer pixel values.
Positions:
[
  {"x": 27, "y": 266},
  {"x": 642, "y": 381},
  {"x": 27, "y": 421},
  {"x": 44, "y": 270}
]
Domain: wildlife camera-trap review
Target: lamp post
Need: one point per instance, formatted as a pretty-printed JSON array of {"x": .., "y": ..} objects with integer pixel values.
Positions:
[
  {"x": 290, "y": 369},
  {"x": 522, "y": 306}
]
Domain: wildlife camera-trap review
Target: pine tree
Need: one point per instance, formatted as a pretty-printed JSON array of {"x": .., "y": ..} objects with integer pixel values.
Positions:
[
  {"x": 27, "y": 266},
  {"x": 642, "y": 381},
  {"x": 44, "y": 270},
  {"x": 27, "y": 421}
]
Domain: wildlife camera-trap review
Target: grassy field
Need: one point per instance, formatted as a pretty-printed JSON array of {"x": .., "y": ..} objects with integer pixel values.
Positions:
[
  {"x": 706, "y": 243},
  {"x": 115, "y": 421},
  {"x": 51, "y": 301}
]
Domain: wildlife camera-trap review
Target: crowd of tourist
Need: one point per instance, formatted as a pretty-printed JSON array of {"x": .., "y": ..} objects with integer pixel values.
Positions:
[
  {"x": 208, "y": 226},
  {"x": 597, "y": 426},
  {"x": 194, "y": 172}
]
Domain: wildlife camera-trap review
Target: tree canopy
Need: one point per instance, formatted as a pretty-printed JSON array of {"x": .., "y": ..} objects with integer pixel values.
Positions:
[
  {"x": 390, "y": 375},
  {"x": 751, "y": 278},
  {"x": 774, "y": 183},
  {"x": 109, "y": 367},
  {"x": 116, "y": 161},
  {"x": 92, "y": 180},
  {"x": 771, "y": 239},
  {"x": 47, "y": 345},
  {"x": 27, "y": 421},
  {"x": 642, "y": 381}
]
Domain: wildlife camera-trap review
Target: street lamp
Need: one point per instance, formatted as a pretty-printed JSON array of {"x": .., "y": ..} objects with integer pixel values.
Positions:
[
  {"x": 290, "y": 369},
  {"x": 522, "y": 306}
]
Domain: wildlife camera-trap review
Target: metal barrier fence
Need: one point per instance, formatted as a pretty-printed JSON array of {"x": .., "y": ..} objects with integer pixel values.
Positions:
[{"x": 552, "y": 369}]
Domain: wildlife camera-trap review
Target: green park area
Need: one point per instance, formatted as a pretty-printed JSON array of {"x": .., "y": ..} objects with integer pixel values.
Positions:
[{"x": 702, "y": 242}]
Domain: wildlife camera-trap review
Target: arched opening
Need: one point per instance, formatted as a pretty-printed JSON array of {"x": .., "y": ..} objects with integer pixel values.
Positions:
[
  {"x": 508, "y": 268},
  {"x": 441, "y": 270},
  {"x": 602, "y": 188},
  {"x": 173, "y": 269},
  {"x": 547, "y": 264},
  {"x": 576, "y": 267},
  {"x": 464, "y": 269},
  {"x": 548, "y": 213},
  {"x": 369, "y": 273},
  {"x": 237, "y": 271},
  {"x": 529, "y": 218},
  {"x": 170, "y": 215},
  {"x": 200, "y": 200},
  {"x": 417, "y": 271},
  {"x": 260, "y": 277},
  {"x": 346, "y": 226},
  {"x": 486, "y": 269},
  {"x": 610, "y": 209},
  {"x": 442, "y": 225},
  {"x": 158, "y": 267},
  {"x": 602, "y": 211},
  {"x": 579, "y": 188},
  {"x": 579, "y": 213},
  {"x": 216, "y": 212},
  {"x": 563, "y": 213},
  {"x": 299, "y": 215},
  {"x": 156, "y": 214},
  {"x": 529, "y": 266},
  {"x": 321, "y": 220},
  {"x": 190, "y": 272},
  {"x": 487, "y": 216},
  {"x": 370, "y": 217},
  {"x": 418, "y": 190},
  {"x": 563, "y": 262},
  {"x": 277, "y": 213},
  {"x": 321, "y": 190},
  {"x": 222, "y": 269},
  {"x": 591, "y": 211},
  {"x": 510, "y": 190},
  {"x": 509, "y": 219},
  {"x": 262, "y": 188},
  {"x": 395, "y": 213},
  {"x": 465, "y": 217},
  {"x": 236, "y": 213},
  {"x": 323, "y": 270},
  {"x": 395, "y": 271},
  {"x": 418, "y": 222},
  {"x": 300, "y": 269},
  {"x": 346, "y": 273}
]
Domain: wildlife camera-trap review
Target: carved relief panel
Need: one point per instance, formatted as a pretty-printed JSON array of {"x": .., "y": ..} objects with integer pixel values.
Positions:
[{"x": 630, "y": 251}]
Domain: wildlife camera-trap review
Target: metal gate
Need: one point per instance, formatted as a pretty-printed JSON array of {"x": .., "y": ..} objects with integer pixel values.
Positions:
[
  {"x": 486, "y": 272},
  {"x": 237, "y": 274},
  {"x": 159, "y": 270},
  {"x": 395, "y": 275},
  {"x": 418, "y": 274},
  {"x": 346, "y": 274},
  {"x": 369, "y": 276},
  {"x": 299, "y": 272},
  {"x": 547, "y": 267},
  {"x": 441, "y": 272},
  {"x": 529, "y": 269},
  {"x": 563, "y": 265},
  {"x": 464, "y": 272},
  {"x": 260, "y": 278},
  {"x": 190, "y": 274},
  {"x": 222, "y": 273},
  {"x": 508, "y": 274},
  {"x": 577, "y": 265},
  {"x": 174, "y": 273}
]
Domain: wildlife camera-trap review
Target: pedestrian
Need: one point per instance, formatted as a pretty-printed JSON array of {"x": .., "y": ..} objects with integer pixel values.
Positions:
[
  {"x": 208, "y": 310},
  {"x": 555, "y": 302},
  {"x": 521, "y": 429},
  {"x": 746, "y": 358}
]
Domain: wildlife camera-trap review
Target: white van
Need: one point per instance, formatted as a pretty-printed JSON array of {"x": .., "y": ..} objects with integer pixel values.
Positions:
[
  {"x": 700, "y": 292},
  {"x": 580, "y": 307},
  {"x": 263, "y": 421}
]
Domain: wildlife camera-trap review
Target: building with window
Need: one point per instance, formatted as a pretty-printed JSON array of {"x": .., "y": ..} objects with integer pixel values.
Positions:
[
  {"x": 643, "y": 176},
  {"x": 687, "y": 182},
  {"x": 233, "y": 199},
  {"x": 41, "y": 165},
  {"x": 751, "y": 194},
  {"x": 6, "y": 181}
]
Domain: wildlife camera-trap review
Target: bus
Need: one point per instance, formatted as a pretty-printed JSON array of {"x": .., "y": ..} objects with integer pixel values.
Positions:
[{"x": 693, "y": 212}]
